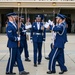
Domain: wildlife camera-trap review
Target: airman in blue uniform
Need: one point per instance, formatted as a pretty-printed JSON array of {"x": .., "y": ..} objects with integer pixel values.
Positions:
[
  {"x": 57, "y": 54},
  {"x": 12, "y": 44},
  {"x": 65, "y": 34},
  {"x": 23, "y": 40},
  {"x": 37, "y": 37}
]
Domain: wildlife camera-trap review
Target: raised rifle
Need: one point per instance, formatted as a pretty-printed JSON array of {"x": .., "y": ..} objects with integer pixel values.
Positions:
[{"x": 19, "y": 24}]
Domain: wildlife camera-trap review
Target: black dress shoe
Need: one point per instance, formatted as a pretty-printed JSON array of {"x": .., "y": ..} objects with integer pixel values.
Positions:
[
  {"x": 27, "y": 59},
  {"x": 50, "y": 72},
  {"x": 35, "y": 65},
  {"x": 7, "y": 73},
  {"x": 39, "y": 63},
  {"x": 47, "y": 58},
  {"x": 23, "y": 73},
  {"x": 62, "y": 72}
]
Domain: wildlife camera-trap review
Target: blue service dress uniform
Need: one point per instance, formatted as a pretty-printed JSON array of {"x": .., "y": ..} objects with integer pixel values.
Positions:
[
  {"x": 65, "y": 38},
  {"x": 38, "y": 36},
  {"x": 23, "y": 41},
  {"x": 57, "y": 54},
  {"x": 12, "y": 44}
]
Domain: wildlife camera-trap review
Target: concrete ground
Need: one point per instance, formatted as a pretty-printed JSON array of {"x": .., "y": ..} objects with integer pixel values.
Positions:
[{"x": 43, "y": 68}]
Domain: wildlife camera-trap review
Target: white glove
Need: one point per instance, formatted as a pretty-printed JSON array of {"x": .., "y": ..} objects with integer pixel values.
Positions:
[
  {"x": 46, "y": 25},
  {"x": 52, "y": 23},
  {"x": 43, "y": 41},
  {"x": 24, "y": 31},
  {"x": 18, "y": 38},
  {"x": 31, "y": 41},
  {"x": 49, "y": 21}
]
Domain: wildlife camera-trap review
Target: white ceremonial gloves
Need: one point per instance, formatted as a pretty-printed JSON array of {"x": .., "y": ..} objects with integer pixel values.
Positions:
[
  {"x": 24, "y": 31},
  {"x": 18, "y": 38},
  {"x": 46, "y": 25},
  {"x": 50, "y": 22},
  {"x": 31, "y": 41},
  {"x": 43, "y": 41}
]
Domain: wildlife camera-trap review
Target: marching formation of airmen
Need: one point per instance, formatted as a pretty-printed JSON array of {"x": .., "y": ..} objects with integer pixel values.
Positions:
[{"x": 17, "y": 41}]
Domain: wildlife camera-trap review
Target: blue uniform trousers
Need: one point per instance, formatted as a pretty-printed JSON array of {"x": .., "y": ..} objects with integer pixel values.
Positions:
[
  {"x": 25, "y": 47},
  {"x": 62, "y": 54},
  {"x": 57, "y": 55},
  {"x": 14, "y": 56},
  {"x": 51, "y": 46},
  {"x": 51, "y": 49},
  {"x": 37, "y": 49}
]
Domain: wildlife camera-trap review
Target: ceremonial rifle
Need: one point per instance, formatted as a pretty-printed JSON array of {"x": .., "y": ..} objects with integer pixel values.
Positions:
[{"x": 19, "y": 23}]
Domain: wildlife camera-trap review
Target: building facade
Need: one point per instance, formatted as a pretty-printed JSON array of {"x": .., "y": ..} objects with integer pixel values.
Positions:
[{"x": 49, "y": 8}]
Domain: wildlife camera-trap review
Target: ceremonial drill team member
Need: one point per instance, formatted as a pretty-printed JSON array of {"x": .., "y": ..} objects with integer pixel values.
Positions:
[
  {"x": 23, "y": 40},
  {"x": 13, "y": 39},
  {"x": 37, "y": 37},
  {"x": 57, "y": 54},
  {"x": 65, "y": 34}
]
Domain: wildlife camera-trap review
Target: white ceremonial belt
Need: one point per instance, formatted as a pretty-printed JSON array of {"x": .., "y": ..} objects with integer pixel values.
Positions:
[{"x": 37, "y": 33}]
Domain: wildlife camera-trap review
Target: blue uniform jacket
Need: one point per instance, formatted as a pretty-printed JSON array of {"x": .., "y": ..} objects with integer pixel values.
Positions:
[
  {"x": 60, "y": 38},
  {"x": 23, "y": 35},
  {"x": 12, "y": 35},
  {"x": 34, "y": 31}
]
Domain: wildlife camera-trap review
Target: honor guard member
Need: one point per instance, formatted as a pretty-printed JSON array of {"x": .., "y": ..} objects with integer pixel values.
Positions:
[
  {"x": 58, "y": 52},
  {"x": 37, "y": 37},
  {"x": 24, "y": 40},
  {"x": 65, "y": 34},
  {"x": 12, "y": 44}
]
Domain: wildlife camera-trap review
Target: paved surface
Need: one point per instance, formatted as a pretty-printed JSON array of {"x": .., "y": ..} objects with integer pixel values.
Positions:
[{"x": 43, "y": 68}]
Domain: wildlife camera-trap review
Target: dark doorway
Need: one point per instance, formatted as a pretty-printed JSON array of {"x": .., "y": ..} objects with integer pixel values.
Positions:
[
  {"x": 68, "y": 20},
  {"x": 3, "y": 22},
  {"x": 4, "y": 18}
]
